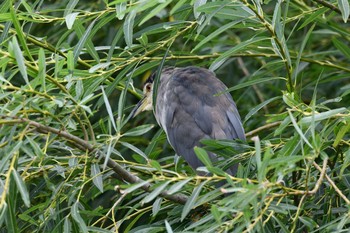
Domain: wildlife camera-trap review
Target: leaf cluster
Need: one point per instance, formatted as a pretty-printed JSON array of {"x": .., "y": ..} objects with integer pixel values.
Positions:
[{"x": 72, "y": 160}]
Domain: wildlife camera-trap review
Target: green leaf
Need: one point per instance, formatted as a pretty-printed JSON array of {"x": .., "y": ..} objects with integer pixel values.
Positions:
[
  {"x": 20, "y": 60},
  {"x": 19, "y": 33},
  {"x": 109, "y": 109},
  {"x": 70, "y": 7},
  {"x": 301, "y": 49},
  {"x": 70, "y": 19},
  {"x": 84, "y": 40},
  {"x": 77, "y": 217},
  {"x": 216, "y": 213},
  {"x": 344, "y": 9},
  {"x": 21, "y": 187},
  {"x": 42, "y": 70},
  {"x": 178, "y": 186},
  {"x": 139, "y": 130},
  {"x": 216, "y": 171},
  {"x": 322, "y": 116},
  {"x": 156, "y": 206},
  {"x": 300, "y": 132},
  {"x": 253, "y": 82},
  {"x": 258, "y": 107},
  {"x": 120, "y": 9},
  {"x": 3, "y": 209},
  {"x": 214, "y": 34},
  {"x": 168, "y": 227},
  {"x": 196, "y": 5},
  {"x": 177, "y": 6},
  {"x": 155, "y": 165},
  {"x": 155, "y": 193},
  {"x": 276, "y": 23},
  {"x": 67, "y": 226},
  {"x": 79, "y": 90},
  {"x": 99, "y": 66},
  {"x": 135, "y": 149},
  {"x": 154, "y": 11},
  {"x": 257, "y": 154},
  {"x": 136, "y": 186},
  {"x": 203, "y": 156},
  {"x": 128, "y": 28},
  {"x": 97, "y": 176},
  {"x": 191, "y": 202},
  {"x": 243, "y": 45},
  {"x": 342, "y": 47},
  {"x": 313, "y": 17},
  {"x": 341, "y": 133}
]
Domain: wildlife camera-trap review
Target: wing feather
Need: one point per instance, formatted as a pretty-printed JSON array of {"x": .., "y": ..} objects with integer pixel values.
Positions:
[{"x": 191, "y": 111}]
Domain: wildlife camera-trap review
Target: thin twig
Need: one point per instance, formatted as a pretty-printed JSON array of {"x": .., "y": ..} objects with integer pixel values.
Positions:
[
  {"x": 320, "y": 179},
  {"x": 124, "y": 175},
  {"x": 251, "y": 133},
  {"x": 328, "y": 5},
  {"x": 333, "y": 185}
]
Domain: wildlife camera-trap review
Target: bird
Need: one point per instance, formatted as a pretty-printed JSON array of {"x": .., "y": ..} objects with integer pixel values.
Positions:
[{"x": 191, "y": 105}]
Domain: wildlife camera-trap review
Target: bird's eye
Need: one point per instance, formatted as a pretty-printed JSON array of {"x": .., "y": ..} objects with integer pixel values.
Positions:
[{"x": 147, "y": 87}]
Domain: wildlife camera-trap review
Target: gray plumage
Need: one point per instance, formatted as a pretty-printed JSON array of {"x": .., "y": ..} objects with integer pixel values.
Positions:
[{"x": 189, "y": 109}]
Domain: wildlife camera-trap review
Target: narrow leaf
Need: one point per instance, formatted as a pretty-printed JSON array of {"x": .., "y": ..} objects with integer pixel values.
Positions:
[
  {"x": 322, "y": 116},
  {"x": 215, "y": 33},
  {"x": 253, "y": 82},
  {"x": 109, "y": 109},
  {"x": 120, "y": 10},
  {"x": 258, "y": 107},
  {"x": 70, "y": 7},
  {"x": 81, "y": 43},
  {"x": 156, "y": 206},
  {"x": 21, "y": 187},
  {"x": 97, "y": 176},
  {"x": 20, "y": 60},
  {"x": 342, "y": 47},
  {"x": 135, "y": 149},
  {"x": 178, "y": 186},
  {"x": 78, "y": 219},
  {"x": 168, "y": 227},
  {"x": 203, "y": 156},
  {"x": 343, "y": 130},
  {"x": 155, "y": 11},
  {"x": 99, "y": 66},
  {"x": 139, "y": 130},
  {"x": 155, "y": 193},
  {"x": 257, "y": 152},
  {"x": 67, "y": 226},
  {"x": 42, "y": 70},
  {"x": 70, "y": 19},
  {"x": 133, "y": 187},
  {"x": 313, "y": 17},
  {"x": 235, "y": 49},
  {"x": 128, "y": 28},
  {"x": 191, "y": 202},
  {"x": 344, "y": 8},
  {"x": 300, "y": 132},
  {"x": 3, "y": 209}
]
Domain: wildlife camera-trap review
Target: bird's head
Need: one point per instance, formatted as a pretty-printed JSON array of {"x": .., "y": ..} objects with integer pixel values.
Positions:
[{"x": 146, "y": 103}]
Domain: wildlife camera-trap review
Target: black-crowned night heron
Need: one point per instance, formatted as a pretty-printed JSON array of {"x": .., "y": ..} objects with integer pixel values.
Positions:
[{"x": 189, "y": 107}]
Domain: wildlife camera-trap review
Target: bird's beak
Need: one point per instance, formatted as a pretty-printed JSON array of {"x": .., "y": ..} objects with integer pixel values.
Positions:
[{"x": 140, "y": 107}]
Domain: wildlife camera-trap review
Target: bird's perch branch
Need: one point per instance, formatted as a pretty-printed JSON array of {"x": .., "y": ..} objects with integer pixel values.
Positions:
[{"x": 123, "y": 174}]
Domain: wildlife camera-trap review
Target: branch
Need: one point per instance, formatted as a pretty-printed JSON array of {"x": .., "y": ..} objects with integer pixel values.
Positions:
[
  {"x": 328, "y": 5},
  {"x": 331, "y": 182},
  {"x": 251, "y": 133},
  {"x": 123, "y": 174}
]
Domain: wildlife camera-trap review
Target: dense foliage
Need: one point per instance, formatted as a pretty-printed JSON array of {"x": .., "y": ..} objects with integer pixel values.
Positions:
[{"x": 71, "y": 160}]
